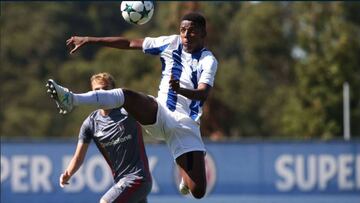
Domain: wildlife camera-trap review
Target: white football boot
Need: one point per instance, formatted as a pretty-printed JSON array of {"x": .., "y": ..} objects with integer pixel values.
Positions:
[
  {"x": 184, "y": 189},
  {"x": 62, "y": 96}
]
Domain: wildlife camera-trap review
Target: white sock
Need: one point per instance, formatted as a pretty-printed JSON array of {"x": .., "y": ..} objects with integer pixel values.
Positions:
[{"x": 104, "y": 99}]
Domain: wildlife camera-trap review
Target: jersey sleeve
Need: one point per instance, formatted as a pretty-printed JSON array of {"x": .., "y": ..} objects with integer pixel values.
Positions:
[
  {"x": 156, "y": 45},
  {"x": 209, "y": 68},
  {"x": 86, "y": 131}
]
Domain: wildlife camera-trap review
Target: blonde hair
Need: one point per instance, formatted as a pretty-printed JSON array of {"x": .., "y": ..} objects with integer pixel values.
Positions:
[{"x": 105, "y": 78}]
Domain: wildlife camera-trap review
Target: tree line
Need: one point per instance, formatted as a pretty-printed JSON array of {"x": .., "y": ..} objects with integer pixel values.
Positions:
[{"x": 281, "y": 68}]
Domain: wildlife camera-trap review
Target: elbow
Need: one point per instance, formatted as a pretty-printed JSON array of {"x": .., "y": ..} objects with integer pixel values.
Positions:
[
  {"x": 79, "y": 161},
  {"x": 203, "y": 92},
  {"x": 203, "y": 97}
]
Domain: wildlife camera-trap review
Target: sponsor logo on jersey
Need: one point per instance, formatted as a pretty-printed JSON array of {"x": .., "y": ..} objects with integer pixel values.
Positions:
[{"x": 118, "y": 140}]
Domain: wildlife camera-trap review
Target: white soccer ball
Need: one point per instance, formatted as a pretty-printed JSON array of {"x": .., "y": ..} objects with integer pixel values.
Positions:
[{"x": 137, "y": 12}]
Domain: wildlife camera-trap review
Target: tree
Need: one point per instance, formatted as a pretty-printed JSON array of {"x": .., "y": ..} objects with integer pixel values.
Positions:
[
  {"x": 280, "y": 74},
  {"x": 329, "y": 46}
]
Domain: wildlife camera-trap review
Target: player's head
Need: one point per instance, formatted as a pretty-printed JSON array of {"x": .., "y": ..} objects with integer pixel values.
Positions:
[
  {"x": 193, "y": 31},
  {"x": 103, "y": 81}
]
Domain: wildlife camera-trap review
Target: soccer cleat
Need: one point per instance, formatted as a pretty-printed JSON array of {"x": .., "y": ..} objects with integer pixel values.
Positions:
[
  {"x": 184, "y": 189},
  {"x": 62, "y": 96}
]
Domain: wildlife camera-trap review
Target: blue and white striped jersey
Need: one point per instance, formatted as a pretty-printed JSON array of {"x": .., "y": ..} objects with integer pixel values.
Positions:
[{"x": 190, "y": 69}]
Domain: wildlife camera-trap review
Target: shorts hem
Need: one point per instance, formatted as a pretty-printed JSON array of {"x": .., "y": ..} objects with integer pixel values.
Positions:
[{"x": 183, "y": 151}]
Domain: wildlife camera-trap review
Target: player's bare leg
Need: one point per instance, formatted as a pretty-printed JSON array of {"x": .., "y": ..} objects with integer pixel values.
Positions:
[
  {"x": 142, "y": 107},
  {"x": 191, "y": 166}
]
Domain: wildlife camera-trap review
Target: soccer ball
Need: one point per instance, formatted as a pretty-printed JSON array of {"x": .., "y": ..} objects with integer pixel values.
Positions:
[{"x": 137, "y": 12}]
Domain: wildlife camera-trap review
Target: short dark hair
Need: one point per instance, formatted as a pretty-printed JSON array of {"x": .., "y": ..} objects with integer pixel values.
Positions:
[{"x": 197, "y": 18}]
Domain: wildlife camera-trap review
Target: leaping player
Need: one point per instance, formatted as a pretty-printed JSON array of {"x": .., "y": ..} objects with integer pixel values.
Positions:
[{"x": 188, "y": 72}]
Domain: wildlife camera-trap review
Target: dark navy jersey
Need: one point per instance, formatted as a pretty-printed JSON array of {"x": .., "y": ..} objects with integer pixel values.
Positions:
[{"x": 119, "y": 139}]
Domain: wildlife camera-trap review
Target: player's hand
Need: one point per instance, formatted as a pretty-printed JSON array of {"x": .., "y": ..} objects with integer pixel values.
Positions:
[
  {"x": 174, "y": 84},
  {"x": 64, "y": 178},
  {"x": 75, "y": 42}
]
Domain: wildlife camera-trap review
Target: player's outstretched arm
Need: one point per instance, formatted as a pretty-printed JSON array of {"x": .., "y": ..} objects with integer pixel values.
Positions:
[
  {"x": 76, "y": 42},
  {"x": 74, "y": 164}
]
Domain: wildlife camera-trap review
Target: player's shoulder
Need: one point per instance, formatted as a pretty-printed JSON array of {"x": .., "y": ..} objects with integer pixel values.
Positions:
[
  {"x": 156, "y": 45},
  {"x": 207, "y": 56},
  {"x": 172, "y": 40},
  {"x": 126, "y": 115},
  {"x": 89, "y": 121},
  {"x": 164, "y": 38},
  {"x": 207, "y": 53},
  {"x": 119, "y": 112},
  {"x": 175, "y": 37},
  {"x": 90, "y": 118},
  {"x": 122, "y": 114},
  {"x": 93, "y": 115},
  {"x": 170, "y": 37}
]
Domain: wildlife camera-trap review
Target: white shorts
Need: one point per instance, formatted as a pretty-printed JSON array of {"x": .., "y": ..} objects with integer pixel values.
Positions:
[{"x": 179, "y": 131}]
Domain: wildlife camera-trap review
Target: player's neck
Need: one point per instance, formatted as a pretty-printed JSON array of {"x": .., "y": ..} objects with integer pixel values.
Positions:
[
  {"x": 194, "y": 50},
  {"x": 105, "y": 112}
]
